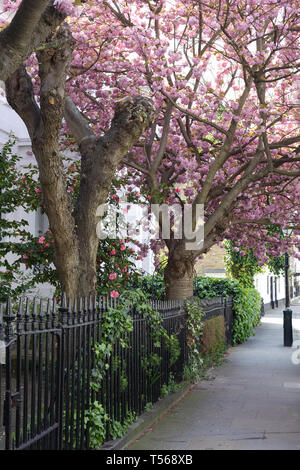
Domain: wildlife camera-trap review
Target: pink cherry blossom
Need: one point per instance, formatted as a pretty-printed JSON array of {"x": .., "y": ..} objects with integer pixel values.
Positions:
[
  {"x": 65, "y": 6},
  {"x": 217, "y": 112}
]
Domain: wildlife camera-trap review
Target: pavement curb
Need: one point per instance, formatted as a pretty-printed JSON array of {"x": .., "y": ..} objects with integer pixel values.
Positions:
[{"x": 148, "y": 419}]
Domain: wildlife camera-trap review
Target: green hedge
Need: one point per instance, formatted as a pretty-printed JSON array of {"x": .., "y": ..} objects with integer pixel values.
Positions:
[
  {"x": 246, "y": 303},
  {"x": 150, "y": 285},
  {"x": 246, "y": 313},
  {"x": 207, "y": 287}
]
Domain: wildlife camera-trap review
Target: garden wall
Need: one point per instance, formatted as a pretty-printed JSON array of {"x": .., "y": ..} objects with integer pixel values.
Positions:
[{"x": 217, "y": 319}]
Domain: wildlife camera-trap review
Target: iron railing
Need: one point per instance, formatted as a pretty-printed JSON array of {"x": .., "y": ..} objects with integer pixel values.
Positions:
[{"x": 48, "y": 368}]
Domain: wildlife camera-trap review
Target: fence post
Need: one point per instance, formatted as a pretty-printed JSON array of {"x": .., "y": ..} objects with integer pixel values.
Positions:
[
  {"x": 63, "y": 311},
  {"x": 262, "y": 309},
  {"x": 228, "y": 319},
  {"x": 8, "y": 336}
]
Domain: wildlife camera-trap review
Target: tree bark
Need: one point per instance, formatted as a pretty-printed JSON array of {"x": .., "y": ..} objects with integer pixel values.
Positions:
[
  {"x": 29, "y": 28},
  {"x": 178, "y": 274}
]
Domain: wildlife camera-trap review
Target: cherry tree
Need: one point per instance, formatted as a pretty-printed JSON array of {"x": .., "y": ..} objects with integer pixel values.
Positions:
[
  {"x": 73, "y": 223},
  {"x": 223, "y": 77}
]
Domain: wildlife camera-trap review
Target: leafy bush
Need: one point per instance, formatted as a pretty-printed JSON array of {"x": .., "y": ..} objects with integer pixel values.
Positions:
[
  {"x": 246, "y": 313},
  {"x": 153, "y": 286},
  {"x": 246, "y": 303},
  {"x": 208, "y": 287}
]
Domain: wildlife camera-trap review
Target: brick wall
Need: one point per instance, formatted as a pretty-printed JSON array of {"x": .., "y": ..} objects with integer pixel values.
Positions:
[{"x": 212, "y": 263}]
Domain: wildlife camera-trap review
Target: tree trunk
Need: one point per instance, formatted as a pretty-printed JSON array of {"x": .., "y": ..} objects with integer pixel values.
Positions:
[{"x": 179, "y": 275}]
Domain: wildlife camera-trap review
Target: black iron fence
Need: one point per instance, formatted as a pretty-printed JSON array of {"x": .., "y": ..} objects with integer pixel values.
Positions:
[{"x": 49, "y": 381}]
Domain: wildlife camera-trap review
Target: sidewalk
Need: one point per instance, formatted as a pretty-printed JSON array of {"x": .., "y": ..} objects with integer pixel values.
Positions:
[{"x": 252, "y": 403}]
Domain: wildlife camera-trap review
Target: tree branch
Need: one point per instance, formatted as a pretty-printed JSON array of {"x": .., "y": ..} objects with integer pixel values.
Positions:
[
  {"x": 77, "y": 123},
  {"x": 163, "y": 139},
  {"x": 20, "y": 96},
  {"x": 31, "y": 25},
  {"x": 193, "y": 115},
  {"x": 18, "y": 33}
]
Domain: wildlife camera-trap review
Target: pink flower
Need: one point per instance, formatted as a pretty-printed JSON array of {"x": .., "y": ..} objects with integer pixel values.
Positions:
[
  {"x": 47, "y": 244},
  {"x": 177, "y": 190},
  {"x": 64, "y": 6},
  {"x": 137, "y": 193},
  {"x": 114, "y": 294},
  {"x": 71, "y": 189},
  {"x": 37, "y": 191},
  {"x": 122, "y": 247},
  {"x": 113, "y": 252},
  {"x": 25, "y": 257},
  {"x": 41, "y": 240},
  {"x": 112, "y": 276}
]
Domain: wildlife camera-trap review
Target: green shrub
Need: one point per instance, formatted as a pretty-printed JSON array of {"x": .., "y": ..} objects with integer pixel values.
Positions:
[
  {"x": 208, "y": 287},
  {"x": 246, "y": 313},
  {"x": 246, "y": 303},
  {"x": 153, "y": 286}
]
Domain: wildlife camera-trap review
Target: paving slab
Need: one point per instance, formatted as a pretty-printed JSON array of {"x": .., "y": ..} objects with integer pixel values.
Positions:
[{"x": 251, "y": 403}]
